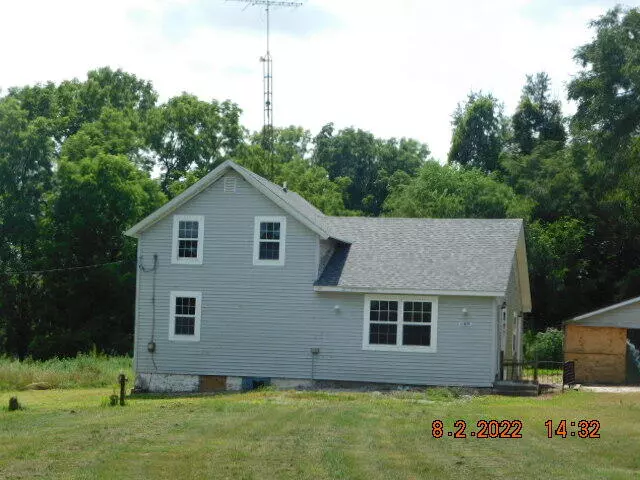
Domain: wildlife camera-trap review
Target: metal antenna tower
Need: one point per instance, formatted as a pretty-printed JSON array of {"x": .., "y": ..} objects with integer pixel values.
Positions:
[{"x": 267, "y": 72}]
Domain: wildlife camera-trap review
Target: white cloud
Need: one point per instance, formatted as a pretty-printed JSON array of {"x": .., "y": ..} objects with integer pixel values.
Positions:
[{"x": 396, "y": 69}]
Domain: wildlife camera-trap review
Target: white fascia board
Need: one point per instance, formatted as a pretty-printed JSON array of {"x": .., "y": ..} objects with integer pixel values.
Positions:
[
  {"x": 523, "y": 272},
  {"x": 205, "y": 182},
  {"x": 408, "y": 291},
  {"x": 285, "y": 206},
  {"x": 176, "y": 202}
]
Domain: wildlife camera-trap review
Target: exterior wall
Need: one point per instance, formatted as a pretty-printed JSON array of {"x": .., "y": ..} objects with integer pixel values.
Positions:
[
  {"x": 264, "y": 321},
  {"x": 599, "y": 353},
  {"x": 623, "y": 317},
  {"x": 514, "y": 308},
  {"x": 326, "y": 250}
]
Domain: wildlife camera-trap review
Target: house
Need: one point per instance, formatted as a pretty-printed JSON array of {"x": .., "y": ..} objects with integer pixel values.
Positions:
[
  {"x": 242, "y": 282},
  {"x": 603, "y": 344}
]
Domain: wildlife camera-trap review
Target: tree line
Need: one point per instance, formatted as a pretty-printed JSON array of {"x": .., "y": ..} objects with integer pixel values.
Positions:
[{"x": 81, "y": 161}]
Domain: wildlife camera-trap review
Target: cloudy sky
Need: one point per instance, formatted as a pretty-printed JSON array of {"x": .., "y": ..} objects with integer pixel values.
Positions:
[{"x": 395, "y": 68}]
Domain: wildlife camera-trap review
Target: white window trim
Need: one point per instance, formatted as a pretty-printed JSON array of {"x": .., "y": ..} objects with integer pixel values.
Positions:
[
  {"x": 503, "y": 329},
  {"x": 256, "y": 240},
  {"x": 174, "y": 248},
  {"x": 401, "y": 299},
  {"x": 172, "y": 317}
]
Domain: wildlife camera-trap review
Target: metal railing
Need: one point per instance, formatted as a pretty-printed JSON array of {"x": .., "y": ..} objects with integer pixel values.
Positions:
[{"x": 544, "y": 373}]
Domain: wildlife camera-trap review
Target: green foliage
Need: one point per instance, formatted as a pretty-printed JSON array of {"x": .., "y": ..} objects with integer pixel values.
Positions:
[
  {"x": 537, "y": 119},
  {"x": 446, "y": 191},
  {"x": 187, "y": 133},
  {"x": 543, "y": 346},
  {"x": 368, "y": 161},
  {"x": 551, "y": 177},
  {"x": 312, "y": 183},
  {"x": 83, "y": 371},
  {"x": 607, "y": 89},
  {"x": 479, "y": 133}
]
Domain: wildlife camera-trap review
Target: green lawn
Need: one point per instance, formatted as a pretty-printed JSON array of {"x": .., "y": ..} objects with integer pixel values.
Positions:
[{"x": 315, "y": 435}]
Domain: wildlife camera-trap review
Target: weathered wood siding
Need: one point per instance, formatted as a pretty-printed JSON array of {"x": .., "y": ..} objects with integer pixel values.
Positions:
[
  {"x": 599, "y": 353},
  {"x": 264, "y": 320}
]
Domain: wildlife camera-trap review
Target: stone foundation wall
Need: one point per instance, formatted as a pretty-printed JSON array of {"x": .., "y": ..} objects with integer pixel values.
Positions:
[{"x": 167, "y": 383}]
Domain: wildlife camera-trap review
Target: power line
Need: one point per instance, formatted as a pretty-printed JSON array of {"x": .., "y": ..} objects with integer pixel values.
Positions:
[{"x": 64, "y": 269}]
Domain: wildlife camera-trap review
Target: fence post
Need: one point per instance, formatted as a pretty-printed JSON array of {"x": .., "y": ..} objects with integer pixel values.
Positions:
[
  {"x": 535, "y": 368},
  {"x": 122, "y": 379}
]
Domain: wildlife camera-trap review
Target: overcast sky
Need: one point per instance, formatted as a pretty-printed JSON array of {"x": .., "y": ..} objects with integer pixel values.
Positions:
[{"x": 395, "y": 68}]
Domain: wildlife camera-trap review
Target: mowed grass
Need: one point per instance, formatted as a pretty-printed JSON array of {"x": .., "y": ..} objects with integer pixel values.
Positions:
[
  {"x": 83, "y": 371},
  {"x": 311, "y": 435}
]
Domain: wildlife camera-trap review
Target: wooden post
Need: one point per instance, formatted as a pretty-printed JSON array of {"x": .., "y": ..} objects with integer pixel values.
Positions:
[
  {"x": 535, "y": 368},
  {"x": 122, "y": 380}
]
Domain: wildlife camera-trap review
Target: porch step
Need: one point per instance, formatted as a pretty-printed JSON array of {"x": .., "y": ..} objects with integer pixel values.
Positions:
[{"x": 516, "y": 389}]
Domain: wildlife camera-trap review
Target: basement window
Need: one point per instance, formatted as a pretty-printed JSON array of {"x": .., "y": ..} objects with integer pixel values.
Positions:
[
  {"x": 184, "y": 320},
  {"x": 400, "y": 323},
  {"x": 188, "y": 233},
  {"x": 269, "y": 240}
]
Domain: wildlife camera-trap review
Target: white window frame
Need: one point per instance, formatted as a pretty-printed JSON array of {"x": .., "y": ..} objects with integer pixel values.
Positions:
[
  {"x": 172, "y": 317},
  {"x": 256, "y": 240},
  {"x": 174, "y": 249},
  {"x": 399, "y": 347}
]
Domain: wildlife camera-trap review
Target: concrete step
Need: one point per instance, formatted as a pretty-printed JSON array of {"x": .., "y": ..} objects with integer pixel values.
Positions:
[{"x": 521, "y": 389}]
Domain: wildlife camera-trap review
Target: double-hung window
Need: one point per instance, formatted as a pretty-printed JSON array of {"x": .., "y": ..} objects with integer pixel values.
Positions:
[
  {"x": 188, "y": 237},
  {"x": 269, "y": 240},
  {"x": 185, "y": 314},
  {"x": 400, "y": 323}
]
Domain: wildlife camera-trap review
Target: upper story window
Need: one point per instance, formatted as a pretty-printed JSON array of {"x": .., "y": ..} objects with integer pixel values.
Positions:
[
  {"x": 400, "y": 323},
  {"x": 188, "y": 236},
  {"x": 269, "y": 240},
  {"x": 184, "y": 319}
]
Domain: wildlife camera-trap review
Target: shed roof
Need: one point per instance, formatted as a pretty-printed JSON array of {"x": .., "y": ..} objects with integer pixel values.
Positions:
[{"x": 625, "y": 314}]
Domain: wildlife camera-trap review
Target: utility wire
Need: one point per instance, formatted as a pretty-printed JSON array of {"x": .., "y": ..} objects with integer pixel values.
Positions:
[{"x": 65, "y": 269}]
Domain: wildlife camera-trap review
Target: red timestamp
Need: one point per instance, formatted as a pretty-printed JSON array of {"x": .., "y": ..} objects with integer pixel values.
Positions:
[
  {"x": 485, "y": 429},
  {"x": 585, "y": 428}
]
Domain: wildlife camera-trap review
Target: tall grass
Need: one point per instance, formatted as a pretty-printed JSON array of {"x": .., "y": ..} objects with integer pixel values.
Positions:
[{"x": 83, "y": 371}]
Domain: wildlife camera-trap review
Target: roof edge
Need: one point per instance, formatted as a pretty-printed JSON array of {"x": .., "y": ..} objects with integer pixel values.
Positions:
[
  {"x": 207, "y": 181},
  {"x": 522, "y": 265},
  {"x": 615, "y": 306},
  {"x": 408, "y": 291}
]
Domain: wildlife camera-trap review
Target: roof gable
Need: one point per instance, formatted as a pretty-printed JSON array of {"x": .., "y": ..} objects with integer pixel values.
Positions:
[{"x": 290, "y": 202}]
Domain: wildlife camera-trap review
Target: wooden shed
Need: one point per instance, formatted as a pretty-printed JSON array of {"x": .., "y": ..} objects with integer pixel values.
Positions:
[{"x": 604, "y": 344}]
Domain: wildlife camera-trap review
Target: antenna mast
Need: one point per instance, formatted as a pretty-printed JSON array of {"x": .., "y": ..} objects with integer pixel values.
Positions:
[{"x": 267, "y": 72}]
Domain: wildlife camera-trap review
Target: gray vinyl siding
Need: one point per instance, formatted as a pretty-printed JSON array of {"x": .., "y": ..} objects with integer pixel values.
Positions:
[
  {"x": 264, "y": 320},
  {"x": 623, "y": 317},
  {"x": 514, "y": 305}
]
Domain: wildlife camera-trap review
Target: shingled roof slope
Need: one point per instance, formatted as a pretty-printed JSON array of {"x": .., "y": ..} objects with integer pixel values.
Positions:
[{"x": 422, "y": 253}]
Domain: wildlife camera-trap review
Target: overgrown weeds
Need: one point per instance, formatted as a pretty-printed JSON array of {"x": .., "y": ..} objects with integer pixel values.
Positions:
[{"x": 83, "y": 371}]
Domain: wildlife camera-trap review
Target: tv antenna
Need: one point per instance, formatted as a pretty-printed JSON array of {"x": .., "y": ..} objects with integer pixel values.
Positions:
[{"x": 267, "y": 72}]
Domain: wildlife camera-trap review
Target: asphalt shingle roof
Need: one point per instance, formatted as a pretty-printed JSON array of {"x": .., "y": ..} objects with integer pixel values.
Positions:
[{"x": 422, "y": 253}]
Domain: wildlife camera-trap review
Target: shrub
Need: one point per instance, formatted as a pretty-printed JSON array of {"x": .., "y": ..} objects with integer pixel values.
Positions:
[{"x": 546, "y": 346}]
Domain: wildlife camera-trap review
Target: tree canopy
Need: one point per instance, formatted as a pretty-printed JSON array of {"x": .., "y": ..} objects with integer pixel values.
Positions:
[{"x": 83, "y": 160}]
